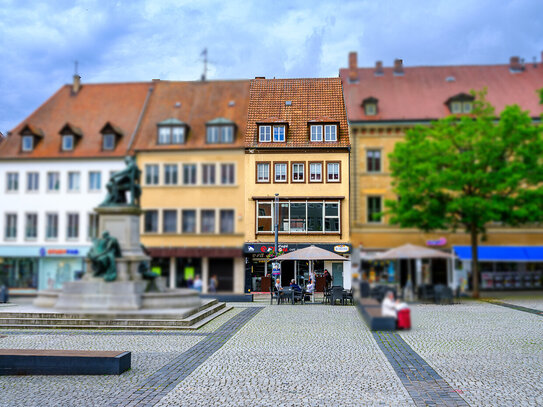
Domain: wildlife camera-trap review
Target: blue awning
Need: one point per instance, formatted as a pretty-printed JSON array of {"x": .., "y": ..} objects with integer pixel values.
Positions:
[{"x": 502, "y": 253}]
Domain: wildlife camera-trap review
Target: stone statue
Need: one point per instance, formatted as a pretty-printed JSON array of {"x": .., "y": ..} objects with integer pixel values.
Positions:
[
  {"x": 102, "y": 256},
  {"x": 123, "y": 181}
]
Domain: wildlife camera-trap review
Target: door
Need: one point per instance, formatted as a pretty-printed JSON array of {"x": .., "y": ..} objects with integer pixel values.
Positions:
[
  {"x": 337, "y": 274},
  {"x": 224, "y": 270}
]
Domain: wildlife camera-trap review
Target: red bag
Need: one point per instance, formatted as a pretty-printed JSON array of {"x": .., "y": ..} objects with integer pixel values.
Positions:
[{"x": 404, "y": 319}]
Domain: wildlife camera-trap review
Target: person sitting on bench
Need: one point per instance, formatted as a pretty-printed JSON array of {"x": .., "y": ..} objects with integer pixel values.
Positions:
[{"x": 388, "y": 307}]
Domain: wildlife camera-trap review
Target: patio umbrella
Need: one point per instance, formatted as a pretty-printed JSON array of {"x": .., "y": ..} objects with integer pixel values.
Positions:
[{"x": 411, "y": 251}]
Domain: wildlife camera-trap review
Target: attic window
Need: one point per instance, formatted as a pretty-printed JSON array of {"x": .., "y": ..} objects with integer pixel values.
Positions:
[
  {"x": 70, "y": 135},
  {"x": 460, "y": 104},
  {"x": 272, "y": 133},
  {"x": 27, "y": 143},
  {"x": 108, "y": 141},
  {"x": 288, "y": 103},
  {"x": 110, "y": 136},
  {"x": 220, "y": 130},
  {"x": 67, "y": 142},
  {"x": 30, "y": 136},
  {"x": 370, "y": 106},
  {"x": 171, "y": 131}
]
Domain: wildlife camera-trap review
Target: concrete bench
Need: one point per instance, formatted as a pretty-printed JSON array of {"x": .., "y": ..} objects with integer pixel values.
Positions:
[
  {"x": 63, "y": 362},
  {"x": 371, "y": 312}
]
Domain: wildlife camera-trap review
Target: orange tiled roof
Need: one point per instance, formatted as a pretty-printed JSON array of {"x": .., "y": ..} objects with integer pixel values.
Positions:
[
  {"x": 200, "y": 103},
  {"x": 88, "y": 110},
  {"x": 421, "y": 92},
  {"x": 313, "y": 100}
]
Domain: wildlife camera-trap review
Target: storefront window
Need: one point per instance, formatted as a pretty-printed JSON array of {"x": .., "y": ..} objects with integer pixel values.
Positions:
[{"x": 19, "y": 272}]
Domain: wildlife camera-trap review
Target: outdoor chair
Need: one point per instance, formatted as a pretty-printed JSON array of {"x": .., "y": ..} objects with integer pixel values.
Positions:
[
  {"x": 326, "y": 297},
  {"x": 348, "y": 296},
  {"x": 337, "y": 294},
  {"x": 285, "y": 295},
  {"x": 443, "y": 294},
  {"x": 274, "y": 294},
  {"x": 298, "y": 296}
]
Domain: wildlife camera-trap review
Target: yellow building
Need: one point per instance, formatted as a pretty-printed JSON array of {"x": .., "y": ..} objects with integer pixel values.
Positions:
[
  {"x": 382, "y": 104},
  {"x": 190, "y": 148},
  {"x": 297, "y": 146}
]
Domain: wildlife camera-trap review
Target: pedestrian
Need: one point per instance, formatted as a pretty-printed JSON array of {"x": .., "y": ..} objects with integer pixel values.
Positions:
[
  {"x": 197, "y": 284},
  {"x": 328, "y": 278},
  {"x": 213, "y": 283}
]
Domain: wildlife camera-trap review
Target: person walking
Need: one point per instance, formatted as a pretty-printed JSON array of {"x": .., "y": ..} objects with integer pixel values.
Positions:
[
  {"x": 213, "y": 283},
  {"x": 328, "y": 278}
]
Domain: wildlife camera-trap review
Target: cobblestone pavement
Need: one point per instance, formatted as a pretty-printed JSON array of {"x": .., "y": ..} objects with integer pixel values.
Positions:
[
  {"x": 490, "y": 355},
  {"x": 516, "y": 305},
  {"x": 311, "y": 355}
]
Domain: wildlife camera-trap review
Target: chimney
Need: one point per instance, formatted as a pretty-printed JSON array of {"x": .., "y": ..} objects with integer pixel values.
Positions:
[
  {"x": 398, "y": 67},
  {"x": 76, "y": 85},
  {"x": 515, "y": 64},
  {"x": 353, "y": 67},
  {"x": 379, "y": 68}
]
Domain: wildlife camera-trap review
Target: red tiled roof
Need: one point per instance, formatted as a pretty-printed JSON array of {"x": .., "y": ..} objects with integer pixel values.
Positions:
[
  {"x": 312, "y": 100},
  {"x": 200, "y": 102},
  {"x": 88, "y": 110},
  {"x": 421, "y": 93}
]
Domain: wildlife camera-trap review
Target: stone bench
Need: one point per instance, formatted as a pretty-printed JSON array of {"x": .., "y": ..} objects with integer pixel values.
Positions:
[
  {"x": 63, "y": 362},
  {"x": 371, "y": 312}
]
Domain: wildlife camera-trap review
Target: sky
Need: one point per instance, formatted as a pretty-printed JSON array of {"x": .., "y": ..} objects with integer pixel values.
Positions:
[{"x": 139, "y": 40}]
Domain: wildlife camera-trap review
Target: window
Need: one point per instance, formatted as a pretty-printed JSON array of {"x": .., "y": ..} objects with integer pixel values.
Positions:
[
  {"x": 298, "y": 172},
  {"x": 31, "y": 229},
  {"x": 299, "y": 216},
  {"x": 264, "y": 134},
  {"x": 227, "y": 174},
  {"x": 333, "y": 172},
  {"x": 108, "y": 141},
  {"x": 169, "y": 221},
  {"x": 227, "y": 221},
  {"x": 263, "y": 172},
  {"x": 330, "y": 132},
  {"x": 264, "y": 221},
  {"x": 315, "y": 172},
  {"x": 12, "y": 181},
  {"x": 27, "y": 143},
  {"x": 208, "y": 221},
  {"x": 92, "y": 231},
  {"x": 189, "y": 221},
  {"x": 189, "y": 174},
  {"x": 227, "y": 134},
  {"x": 171, "y": 134},
  {"x": 374, "y": 209},
  {"x": 456, "y": 107},
  {"x": 460, "y": 103},
  {"x": 68, "y": 142},
  {"x": 220, "y": 134},
  {"x": 279, "y": 134},
  {"x": 151, "y": 174},
  {"x": 280, "y": 172},
  {"x": 73, "y": 181},
  {"x": 32, "y": 181},
  {"x": 95, "y": 181},
  {"x": 316, "y": 132},
  {"x": 373, "y": 160},
  {"x": 212, "y": 134},
  {"x": 51, "y": 226},
  {"x": 170, "y": 174},
  {"x": 53, "y": 181},
  {"x": 467, "y": 107},
  {"x": 208, "y": 174},
  {"x": 73, "y": 226},
  {"x": 370, "y": 109},
  {"x": 11, "y": 226},
  {"x": 150, "y": 224}
]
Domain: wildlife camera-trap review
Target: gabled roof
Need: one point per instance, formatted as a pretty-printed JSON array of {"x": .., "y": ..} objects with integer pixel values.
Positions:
[
  {"x": 171, "y": 122},
  {"x": 312, "y": 99},
  {"x": 70, "y": 128},
  {"x": 91, "y": 108},
  {"x": 35, "y": 131},
  {"x": 420, "y": 93},
  {"x": 194, "y": 103},
  {"x": 111, "y": 127}
]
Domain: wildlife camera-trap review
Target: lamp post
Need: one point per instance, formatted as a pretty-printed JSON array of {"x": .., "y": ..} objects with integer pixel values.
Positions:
[{"x": 276, "y": 211}]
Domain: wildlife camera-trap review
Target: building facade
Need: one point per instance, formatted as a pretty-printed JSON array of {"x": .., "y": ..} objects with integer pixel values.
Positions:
[
  {"x": 297, "y": 146},
  {"x": 53, "y": 171},
  {"x": 382, "y": 104},
  {"x": 190, "y": 148}
]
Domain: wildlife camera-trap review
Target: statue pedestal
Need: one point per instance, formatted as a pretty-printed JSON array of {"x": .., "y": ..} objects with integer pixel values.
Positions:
[{"x": 98, "y": 294}]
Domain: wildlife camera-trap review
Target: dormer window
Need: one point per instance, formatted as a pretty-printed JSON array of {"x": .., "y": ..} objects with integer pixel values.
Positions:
[
  {"x": 70, "y": 135},
  {"x": 317, "y": 130},
  {"x": 370, "y": 106},
  {"x": 220, "y": 130},
  {"x": 460, "y": 104},
  {"x": 268, "y": 133},
  {"x": 171, "y": 131},
  {"x": 279, "y": 134},
  {"x": 110, "y": 136},
  {"x": 30, "y": 136},
  {"x": 67, "y": 142},
  {"x": 264, "y": 134}
]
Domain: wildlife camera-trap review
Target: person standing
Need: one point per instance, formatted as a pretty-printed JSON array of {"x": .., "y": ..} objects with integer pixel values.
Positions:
[
  {"x": 197, "y": 284},
  {"x": 213, "y": 283},
  {"x": 328, "y": 278}
]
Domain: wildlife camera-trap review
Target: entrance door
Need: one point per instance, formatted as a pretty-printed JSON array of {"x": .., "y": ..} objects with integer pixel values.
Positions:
[
  {"x": 224, "y": 270},
  {"x": 337, "y": 274}
]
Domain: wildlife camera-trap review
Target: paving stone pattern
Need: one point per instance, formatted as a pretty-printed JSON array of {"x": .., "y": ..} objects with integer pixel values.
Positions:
[
  {"x": 166, "y": 378},
  {"x": 516, "y": 307},
  {"x": 422, "y": 382}
]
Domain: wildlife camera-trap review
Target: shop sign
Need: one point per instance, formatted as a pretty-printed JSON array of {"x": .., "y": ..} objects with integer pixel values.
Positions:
[
  {"x": 442, "y": 241},
  {"x": 59, "y": 252},
  {"x": 341, "y": 248}
]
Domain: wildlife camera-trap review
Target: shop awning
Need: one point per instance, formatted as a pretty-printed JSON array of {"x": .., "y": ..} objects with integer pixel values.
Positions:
[
  {"x": 502, "y": 253},
  {"x": 311, "y": 253},
  {"x": 411, "y": 251}
]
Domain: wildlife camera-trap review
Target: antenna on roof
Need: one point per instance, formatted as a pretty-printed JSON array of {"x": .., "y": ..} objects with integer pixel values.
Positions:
[
  {"x": 204, "y": 54},
  {"x": 75, "y": 68}
]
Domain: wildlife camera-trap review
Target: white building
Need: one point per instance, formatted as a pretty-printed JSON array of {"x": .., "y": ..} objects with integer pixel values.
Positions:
[{"x": 54, "y": 168}]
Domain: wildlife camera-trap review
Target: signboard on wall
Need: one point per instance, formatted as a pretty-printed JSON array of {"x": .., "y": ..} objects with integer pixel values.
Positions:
[{"x": 263, "y": 248}]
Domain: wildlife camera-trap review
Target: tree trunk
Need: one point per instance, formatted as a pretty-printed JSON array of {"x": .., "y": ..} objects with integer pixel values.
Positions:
[{"x": 474, "y": 261}]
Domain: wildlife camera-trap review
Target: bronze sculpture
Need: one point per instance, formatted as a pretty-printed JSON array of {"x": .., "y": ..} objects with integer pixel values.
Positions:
[
  {"x": 102, "y": 256},
  {"x": 126, "y": 180}
]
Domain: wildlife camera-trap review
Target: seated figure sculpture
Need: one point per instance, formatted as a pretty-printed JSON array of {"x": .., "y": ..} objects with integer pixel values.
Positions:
[
  {"x": 102, "y": 256},
  {"x": 126, "y": 180}
]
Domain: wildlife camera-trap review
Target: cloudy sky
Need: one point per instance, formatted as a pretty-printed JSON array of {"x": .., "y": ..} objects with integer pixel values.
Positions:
[{"x": 139, "y": 40}]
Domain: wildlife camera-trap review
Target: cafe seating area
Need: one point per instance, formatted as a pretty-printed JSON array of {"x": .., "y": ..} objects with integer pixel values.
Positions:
[{"x": 331, "y": 296}]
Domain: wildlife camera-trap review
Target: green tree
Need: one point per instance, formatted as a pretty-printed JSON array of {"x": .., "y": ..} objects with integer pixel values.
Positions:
[{"x": 468, "y": 171}]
